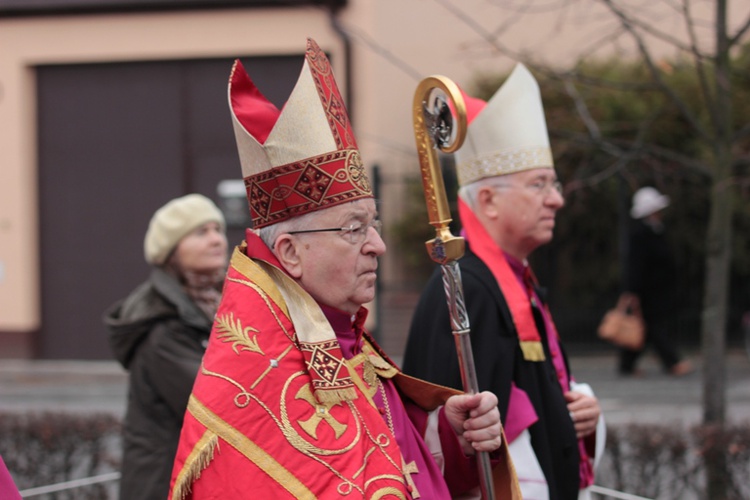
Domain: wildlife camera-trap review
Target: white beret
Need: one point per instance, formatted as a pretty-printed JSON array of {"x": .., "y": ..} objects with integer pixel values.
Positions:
[{"x": 174, "y": 221}]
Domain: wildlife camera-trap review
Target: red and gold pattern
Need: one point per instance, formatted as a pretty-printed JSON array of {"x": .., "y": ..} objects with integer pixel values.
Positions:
[
  {"x": 276, "y": 412},
  {"x": 254, "y": 414},
  {"x": 311, "y": 161},
  {"x": 301, "y": 187}
]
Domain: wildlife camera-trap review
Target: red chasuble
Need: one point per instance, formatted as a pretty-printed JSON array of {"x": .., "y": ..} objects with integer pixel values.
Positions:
[{"x": 277, "y": 412}]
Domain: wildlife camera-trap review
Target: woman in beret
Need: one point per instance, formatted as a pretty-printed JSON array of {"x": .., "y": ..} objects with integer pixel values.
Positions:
[{"x": 159, "y": 334}]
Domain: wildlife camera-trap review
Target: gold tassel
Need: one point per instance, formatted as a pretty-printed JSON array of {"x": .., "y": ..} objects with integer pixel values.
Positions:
[
  {"x": 196, "y": 462},
  {"x": 333, "y": 396}
]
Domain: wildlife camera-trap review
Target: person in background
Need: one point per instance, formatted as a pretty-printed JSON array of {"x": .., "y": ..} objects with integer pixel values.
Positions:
[
  {"x": 651, "y": 277},
  {"x": 294, "y": 398},
  {"x": 159, "y": 334},
  {"x": 508, "y": 197}
]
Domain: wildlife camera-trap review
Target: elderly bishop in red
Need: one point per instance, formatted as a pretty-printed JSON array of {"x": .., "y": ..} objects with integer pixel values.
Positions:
[{"x": 294, "y": 398}]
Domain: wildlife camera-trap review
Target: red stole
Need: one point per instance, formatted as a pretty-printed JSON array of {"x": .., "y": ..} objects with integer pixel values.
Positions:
[{"x": 516, "y": 297}]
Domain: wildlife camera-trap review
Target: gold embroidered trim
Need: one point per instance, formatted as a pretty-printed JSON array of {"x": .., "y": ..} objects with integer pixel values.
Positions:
[
  {"x": 369, "y": 385},
  {"x": 252, "y": 271},
  {"x": 382, "y": 367},
  {"x": 388, "y": 416},
  {"x": 249, "y": 449},
  {"x": 504, "y": 162},
  {"x": 270, "y": 367},
  {"x": 196, "y": 462},
  {"x": 387, "y": 493},
  {"x": 532, "y": 350}
]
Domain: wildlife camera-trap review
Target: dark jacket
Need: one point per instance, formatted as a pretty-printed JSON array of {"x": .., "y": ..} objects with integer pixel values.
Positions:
[
  {"x": 159, "y": 335},
  {"x": 652, "y": 272},
  {"x": 431, "y": 355}
]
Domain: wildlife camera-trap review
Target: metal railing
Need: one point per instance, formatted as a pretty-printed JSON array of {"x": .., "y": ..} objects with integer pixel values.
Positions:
[
  {"x": 607, "y": 492},
  {"x": 69, "y": 485},
  {"x": 115, "y": 476}
]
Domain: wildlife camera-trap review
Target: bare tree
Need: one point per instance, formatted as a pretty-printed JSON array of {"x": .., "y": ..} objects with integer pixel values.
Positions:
[
  {"x": 630, "y": 21},
  {"x": 707, "y": 48}
]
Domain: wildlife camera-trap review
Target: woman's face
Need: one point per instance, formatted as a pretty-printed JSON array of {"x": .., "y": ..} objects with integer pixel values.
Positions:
[{"x": 203, "y": 250}]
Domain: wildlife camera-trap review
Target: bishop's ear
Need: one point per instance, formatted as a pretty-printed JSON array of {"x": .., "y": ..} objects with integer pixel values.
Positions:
[
  {"x": 287, "y": 251},
  {"x": 486, "y": 202}
]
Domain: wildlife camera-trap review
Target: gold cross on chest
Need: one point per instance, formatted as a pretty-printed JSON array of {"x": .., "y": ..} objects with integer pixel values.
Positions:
[
  {"x": 321, "y": 413},
  {"x": 408, "y": 470}
]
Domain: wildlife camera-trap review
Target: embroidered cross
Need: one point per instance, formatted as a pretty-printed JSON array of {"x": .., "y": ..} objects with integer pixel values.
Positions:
[
  {"x": 408, "y": 470},
  {"x": 321, "y": 413},
  {"x": 313, "y": 183}
]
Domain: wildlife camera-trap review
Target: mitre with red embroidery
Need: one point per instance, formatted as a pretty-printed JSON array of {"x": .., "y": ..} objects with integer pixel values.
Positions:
[{"x": 300, "y": 159}]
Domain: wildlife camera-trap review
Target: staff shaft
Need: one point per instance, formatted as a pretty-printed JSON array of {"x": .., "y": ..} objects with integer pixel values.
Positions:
[{"x": 445, "y": 248}]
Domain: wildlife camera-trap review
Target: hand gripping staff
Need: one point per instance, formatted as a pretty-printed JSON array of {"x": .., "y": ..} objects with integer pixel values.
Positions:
[{"x": 434, "y": 128}]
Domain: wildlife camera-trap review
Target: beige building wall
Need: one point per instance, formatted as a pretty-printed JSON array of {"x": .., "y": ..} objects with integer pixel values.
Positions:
[
  {"x": 395, "y": 43},
  {"x": 399, "y": 42},
  {"x": 132, "y": 37}
]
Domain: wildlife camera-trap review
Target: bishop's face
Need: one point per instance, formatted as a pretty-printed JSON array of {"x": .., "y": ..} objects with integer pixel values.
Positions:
[
  {"x": 525, "y": 205},
  {"x": 336, "y": 268}
]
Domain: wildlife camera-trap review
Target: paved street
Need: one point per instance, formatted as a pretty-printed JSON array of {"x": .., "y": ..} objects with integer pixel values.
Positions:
[
  {"x": 90, "y": 386},
  {"x": 101, "y": 386}
]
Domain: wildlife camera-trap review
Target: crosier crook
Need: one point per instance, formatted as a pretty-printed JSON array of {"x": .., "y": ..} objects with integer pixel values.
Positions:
[{"x": 434, "y": 128}]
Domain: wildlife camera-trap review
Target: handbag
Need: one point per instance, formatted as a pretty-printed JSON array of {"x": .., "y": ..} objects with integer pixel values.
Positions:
[{"x": 623, "y": 325}]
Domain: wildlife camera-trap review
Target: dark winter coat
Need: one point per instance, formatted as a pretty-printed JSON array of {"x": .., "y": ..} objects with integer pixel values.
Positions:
[
  {"x": 652, "y": 272},
  {"x": 431, "y": 355},
  {"x": 159, "y": 335}
]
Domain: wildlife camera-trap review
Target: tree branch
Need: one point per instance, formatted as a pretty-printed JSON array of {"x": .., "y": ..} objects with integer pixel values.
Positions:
[
  {"x": 740, "y": 33},
  {"x": 656, "y": 75},
  {"x": 700, "y": 69}
]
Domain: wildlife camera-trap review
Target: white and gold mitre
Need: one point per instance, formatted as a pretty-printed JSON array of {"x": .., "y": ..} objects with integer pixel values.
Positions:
[{"x": 509, "y": 135}]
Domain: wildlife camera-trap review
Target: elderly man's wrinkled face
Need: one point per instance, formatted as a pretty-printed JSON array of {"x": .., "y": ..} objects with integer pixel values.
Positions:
[
  {"x": 526, "y": 204},
  {"x": 338, "y": 267}
]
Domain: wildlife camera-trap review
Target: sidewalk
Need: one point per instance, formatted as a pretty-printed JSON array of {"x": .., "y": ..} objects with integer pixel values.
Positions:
[{"x": 101, "y": 386}]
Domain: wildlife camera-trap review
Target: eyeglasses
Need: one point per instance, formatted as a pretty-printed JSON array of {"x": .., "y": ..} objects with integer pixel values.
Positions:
[
  {"x": 355, "y": 233},
  {"x": 541, "y": 187}
]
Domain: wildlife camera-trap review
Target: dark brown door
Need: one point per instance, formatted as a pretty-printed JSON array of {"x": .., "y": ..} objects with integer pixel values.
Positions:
[{"x": 116, "y": 141}]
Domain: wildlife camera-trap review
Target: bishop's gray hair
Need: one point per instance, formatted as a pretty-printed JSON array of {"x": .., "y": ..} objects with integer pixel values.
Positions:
[
  {"x": 269, "y": 234},
  {"x": 470, "y": 192}
]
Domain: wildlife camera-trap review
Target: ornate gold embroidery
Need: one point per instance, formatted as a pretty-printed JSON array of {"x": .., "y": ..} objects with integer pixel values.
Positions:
[
  {"x": 249, "y": 449},
  {"x": 388, "y": 416},
  {"x": 388, "y": 492},
  {"x": 242, "y": 399},
  {"x": 321, "y": 413},
  {"x": 271, "y": 366},
  {"x": 302, "y": 443},
  {"x": 331, "y": 379},
  {"x": 382, "y": 367},
  {"x": 504, "y": 162},
  {"x": 368, "y": 372},
  {"x": 231, "y": 330},
  {"x": 260, "y": 281}
]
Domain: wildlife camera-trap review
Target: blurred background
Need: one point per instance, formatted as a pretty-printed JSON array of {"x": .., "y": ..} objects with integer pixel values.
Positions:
[{"x": 109, "y": 108}]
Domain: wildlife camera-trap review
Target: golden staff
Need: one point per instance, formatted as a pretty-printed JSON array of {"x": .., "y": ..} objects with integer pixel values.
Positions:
[{"x": 434, "y": 128}]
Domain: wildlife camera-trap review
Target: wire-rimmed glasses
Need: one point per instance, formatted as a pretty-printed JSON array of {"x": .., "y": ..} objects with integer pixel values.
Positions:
[{"x": 354, "y": 233}]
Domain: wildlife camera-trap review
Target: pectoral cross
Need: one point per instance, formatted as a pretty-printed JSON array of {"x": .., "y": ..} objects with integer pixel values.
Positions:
[
  {"x": 321, "y": 413},
  {"x": 408, "y": 470}
]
